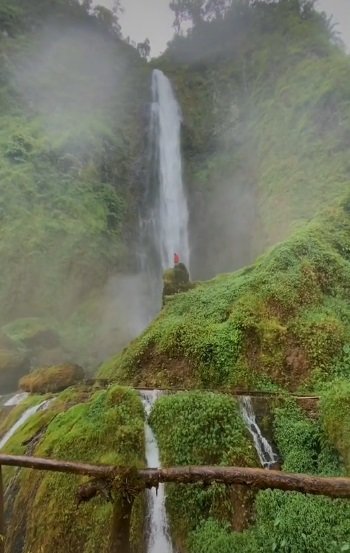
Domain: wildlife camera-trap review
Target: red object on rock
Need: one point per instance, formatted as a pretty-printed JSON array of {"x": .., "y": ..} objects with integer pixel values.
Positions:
[{"x": 176, "y": 258}]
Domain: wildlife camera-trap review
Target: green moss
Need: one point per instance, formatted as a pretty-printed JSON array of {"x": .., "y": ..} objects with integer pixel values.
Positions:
[
  {"x": 52, "y": 379},
  {"x": 281, "y": 322},
  {"x": 303, "y": 443},
  {"x": 108, "y": 428},
  {"x": 214, "y": 537},
  {"x": 301, "y": 524},
  {"x": 334, "y": 406},
  {"x": 206, "y": 429}
]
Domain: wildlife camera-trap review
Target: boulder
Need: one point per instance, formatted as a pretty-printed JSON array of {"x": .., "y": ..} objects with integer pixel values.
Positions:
[
  {"x": 52, "y": 379},
  {"x": 33, "y": 333},
  {"x": 176, "y": 280},
  {"x": 13, "y": 364}
]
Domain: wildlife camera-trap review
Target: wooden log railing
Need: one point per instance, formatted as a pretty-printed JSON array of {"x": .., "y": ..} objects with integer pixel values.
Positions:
[{"x": 257, "y": 479}]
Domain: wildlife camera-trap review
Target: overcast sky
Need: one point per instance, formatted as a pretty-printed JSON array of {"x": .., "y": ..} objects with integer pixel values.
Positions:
[{"x": 153, "y": 19}]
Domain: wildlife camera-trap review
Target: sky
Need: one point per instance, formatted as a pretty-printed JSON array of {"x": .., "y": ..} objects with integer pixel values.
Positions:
[{"x": 153, "y": 19}]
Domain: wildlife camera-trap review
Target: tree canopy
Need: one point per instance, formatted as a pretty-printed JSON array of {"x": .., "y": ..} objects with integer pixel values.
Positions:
[{"x": 197, "y": 11}]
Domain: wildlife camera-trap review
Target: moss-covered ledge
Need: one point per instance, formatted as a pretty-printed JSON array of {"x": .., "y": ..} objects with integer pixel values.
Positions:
[
  {"x": 282, "y": 322},
  {"x": 107, "y": 428}
]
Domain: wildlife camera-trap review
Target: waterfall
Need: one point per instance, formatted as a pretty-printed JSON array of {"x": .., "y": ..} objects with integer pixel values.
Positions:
[
  {"x": 16, "y": 399},
  {"x": 158, "y": 538},
  {"x": 164, "y": 213},
  {"x": 172, "y": 202},
  {"x": 264, "y": 450},
  {"x": 23, "y": 418},
  {"x": 166, "y": 218}
]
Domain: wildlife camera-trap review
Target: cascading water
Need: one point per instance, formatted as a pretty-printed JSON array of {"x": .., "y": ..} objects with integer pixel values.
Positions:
[
  {"x": 165, "y": 218},
  {"x": 16, "y": 399},
  {"x": 164, "y": 214},
  {"x": 164, "y": 231},
  {"x": 24, "y": 417},
  {"x": 267, "y": 456},
  {"x": 172, "y": 201},
  {"x": 158, "y": 540}
]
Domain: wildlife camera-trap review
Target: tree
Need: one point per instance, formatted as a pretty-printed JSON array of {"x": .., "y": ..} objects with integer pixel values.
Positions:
[
  {"x": 109, "y": 18},
  {"x": 87, "y": 5},
  {"x": 144, "y": 48},
  {"x": 197, "y": 11}
]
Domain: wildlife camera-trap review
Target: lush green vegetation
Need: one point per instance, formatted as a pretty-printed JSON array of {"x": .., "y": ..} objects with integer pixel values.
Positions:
[
  {"x": 284, "y": 321},
  {"x": 266, "y": 113},
  {"x": 205, "y": 429},
  {"x": 265, "y": 97},
  {"x": 335, "y": 417},
  {"x": 106, "y": 428},
  {"x": 71, "y": 94},
  {"x": 288, "y": 522},
  {"x": 303, "y": 443}
]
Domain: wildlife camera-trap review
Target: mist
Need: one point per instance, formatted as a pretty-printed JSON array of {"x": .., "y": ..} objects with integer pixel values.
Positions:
[
  {"x": 74, "y": 268},
  {"x": 77, "y": 149}
]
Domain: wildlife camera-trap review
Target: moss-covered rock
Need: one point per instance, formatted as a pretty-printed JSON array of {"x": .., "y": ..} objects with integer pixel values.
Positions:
[
  {"x": 52, "y": 379},
  {"x": 107, "y": 428},
  {"x": 12, "y": 366},
  {"x": 175, "y": 280},
  {"x": 283, "y": 321},
  {"x": 335, "y": 416}
]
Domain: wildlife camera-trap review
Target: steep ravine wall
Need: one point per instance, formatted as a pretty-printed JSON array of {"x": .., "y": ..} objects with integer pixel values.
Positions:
[
  {"x": 74, "y": 102},
  {"x": 265, "y": 135}
]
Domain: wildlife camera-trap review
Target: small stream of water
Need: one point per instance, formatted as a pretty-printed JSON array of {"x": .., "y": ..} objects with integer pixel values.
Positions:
[
  {"x": 24, "y": 417},
  {"x": 158, "y": 537},
  {"x": 267, "y": 456},
  {"x": 16, "y": 399}
]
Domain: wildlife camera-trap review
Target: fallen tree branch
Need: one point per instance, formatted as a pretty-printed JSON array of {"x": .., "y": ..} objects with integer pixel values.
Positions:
[{"x": 257, "y": 479}]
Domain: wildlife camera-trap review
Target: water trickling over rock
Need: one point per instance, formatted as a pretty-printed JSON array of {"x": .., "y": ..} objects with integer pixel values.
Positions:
[
  {"x": 267, "y": 456},
  {"x": 23, "y": 418},
  {"x": 158, "y": 537}
]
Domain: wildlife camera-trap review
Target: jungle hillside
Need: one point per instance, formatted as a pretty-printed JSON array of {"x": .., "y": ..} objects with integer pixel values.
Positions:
[{"x": 125, "y": 362}]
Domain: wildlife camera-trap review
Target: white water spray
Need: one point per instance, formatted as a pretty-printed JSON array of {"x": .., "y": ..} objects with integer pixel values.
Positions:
[
  {"x": 264, "y": 450},
  {"x": 24, "y": 417},
  {"x": 158, "y": 540},
  {"x": 171, "y": 213},
  {"x": 16, "y": 399}
]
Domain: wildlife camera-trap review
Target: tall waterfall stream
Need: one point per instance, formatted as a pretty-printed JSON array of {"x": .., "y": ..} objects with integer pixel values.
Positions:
[
  {"x": 164, "y": 229},
  {"x": 158, "y": 539},
  {"x": 171, "y": 206},
  {"x": 164, "y": 214}
]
